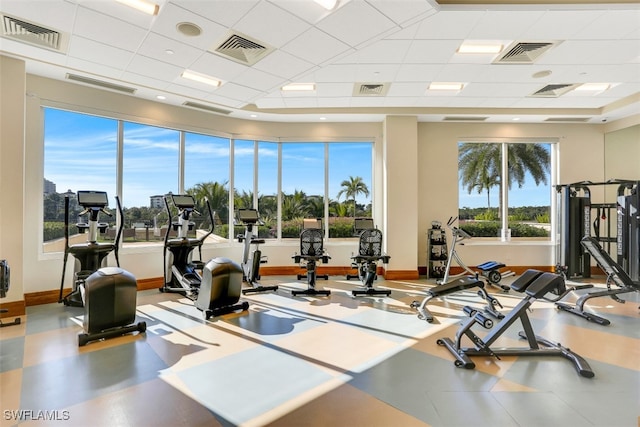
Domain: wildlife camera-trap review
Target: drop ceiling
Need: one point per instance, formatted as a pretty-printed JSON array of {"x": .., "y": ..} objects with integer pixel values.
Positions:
[{"x": 365, "y": 58}]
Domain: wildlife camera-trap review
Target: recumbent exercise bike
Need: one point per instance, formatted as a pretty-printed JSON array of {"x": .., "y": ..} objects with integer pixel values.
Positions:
[
  {"x": 217, "y": 290},
  {"x": 369, "y": 254},
  {"x": 311, "y": 252}
]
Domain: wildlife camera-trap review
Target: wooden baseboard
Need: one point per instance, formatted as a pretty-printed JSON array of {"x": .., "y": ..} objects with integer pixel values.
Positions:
[
  {"x": 14, "y": 308},
  {"x": 17, "y": 308}
]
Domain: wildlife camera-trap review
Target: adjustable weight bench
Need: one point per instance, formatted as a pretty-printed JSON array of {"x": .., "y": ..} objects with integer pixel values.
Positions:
[
  {"x": 615, "y": 275},
  {"x": 535, "y": 285}
]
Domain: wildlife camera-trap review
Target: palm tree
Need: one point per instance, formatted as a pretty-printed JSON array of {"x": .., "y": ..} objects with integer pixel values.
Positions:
[
  {"x": 294, "y": 205},
  {"x": 351, "y": 188},
  {"x": 479, "y": 165},
  {"x": 217, "y": 195}
]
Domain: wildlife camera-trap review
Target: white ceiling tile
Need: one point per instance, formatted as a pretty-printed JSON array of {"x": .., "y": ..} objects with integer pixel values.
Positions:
[
  {"x": 355, "y": 23},
  {"x": 448, "y": 25},
  {"x": 376, "y": 72},
  {"x": 143, "y": 80},
  {"x": 98, "y": 70},
  {"x": 309, "y": 11},
  {"x": 224, "y": 12},
  {"x": 284, "y": 65},
  {"x": 402, "y": 11},
  {"x": 315, "y": 46},
  {"x": 122, "y": 11},
  {"x": 157, "y": 46},
  {"x": 154, "y": 68},
  {"x": 217, "y": 66},
  {"x": 431, "y": 51},
  {"x": 559, "y": 24},
  {"x": 381, "y": 52},
  {"x": 272, "y": 25},
  {"x": 327, "y": 90},
  {"x": 613, "y": 24},
  {"x": 108, "y": 30},
  {"x": 335, "y": 73},
  {"x": 237, "y": 92},
  {"x": 92, "y": 51},
  {"x": 418, "y": 72},
  {"x": 499, "y": 24},
  {"x": 259, "y": 80},
  {"x": 407, "y": 89}
]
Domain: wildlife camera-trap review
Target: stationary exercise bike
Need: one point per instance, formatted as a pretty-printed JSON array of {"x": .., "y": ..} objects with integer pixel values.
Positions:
[
  {"x": 91, "y": 255},
  {"x": 489, "y": 269},
  {"x": 250, "y": 218},
  {"x": 311, "y": 252},
  {"x": 217, "y": 290},
  {"x": 369, "y": 254}
]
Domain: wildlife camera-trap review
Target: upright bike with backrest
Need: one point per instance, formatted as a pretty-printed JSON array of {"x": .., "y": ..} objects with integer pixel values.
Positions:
[
  {"x": 91, "y": 255},
  {"x": 366, "y": 261},
  {"x": 311, "y": 252},
  {"x": 250, "y": 218}
]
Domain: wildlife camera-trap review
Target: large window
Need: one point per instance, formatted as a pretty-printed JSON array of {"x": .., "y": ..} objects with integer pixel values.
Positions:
[
  {"x": 150, "y": 171},
  {"x": 80, "y": 154},
  {"x": 505, "y": 189},
  {"x": 286, "y": 181},
  {"x": 206, "y": 177}
]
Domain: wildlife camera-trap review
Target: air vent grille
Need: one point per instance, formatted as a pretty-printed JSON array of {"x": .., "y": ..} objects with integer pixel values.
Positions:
[
  {"x": 27, "y": 32},
  {"x": 370, "y": 89},
  {"x": 242, "y": 49},
  {"x": 100, "y": 83},
  {"x": 524, "y": 52},
  {"x": 464, "y": 119},
  {"x": 568, "y": 119},
  {"x": 554, "y": 90},
  {"x": 208, "y": 108}
]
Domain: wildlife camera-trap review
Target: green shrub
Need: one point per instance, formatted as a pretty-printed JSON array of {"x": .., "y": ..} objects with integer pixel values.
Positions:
[
  {"x": 53, "y": 230},
  {"x": 492, "y": 229}
]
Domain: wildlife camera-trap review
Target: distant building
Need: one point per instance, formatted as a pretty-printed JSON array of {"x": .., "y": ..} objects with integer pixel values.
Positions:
[
  {"x": 49, "y": 187},
  {"x": 157, "y": 202}
]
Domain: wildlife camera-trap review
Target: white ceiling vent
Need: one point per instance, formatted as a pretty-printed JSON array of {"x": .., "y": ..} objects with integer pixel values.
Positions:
[
  {"x": 568, "y": 119},
  {"x": 28, "y": 32},
  {"x": 524, "y": 52},
  {"x": 370, "y": 89},
  {"x": 100, "y": 83},
  {"x": 241, "y": 48},
  {"x": 208, "y": 108},
  {"x": 554, "y": 90},
  {"x": 464, "y": 119}
]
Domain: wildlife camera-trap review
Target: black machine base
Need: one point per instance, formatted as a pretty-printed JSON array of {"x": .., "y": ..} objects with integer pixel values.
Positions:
[
  {"x": 84, "y": 339},
  {"x": 259, "y": 288},
  {"x": 370, "y": 291},
  {"x": 215, "y": 312},
  {"x": 312, "y": 291}
]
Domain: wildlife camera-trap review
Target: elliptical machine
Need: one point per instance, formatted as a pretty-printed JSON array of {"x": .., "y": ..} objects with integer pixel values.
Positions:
[
  {"x": 91, "y": 255},
  {"x": 217, "y": 290},
  {"x": 251, "y": 265}
]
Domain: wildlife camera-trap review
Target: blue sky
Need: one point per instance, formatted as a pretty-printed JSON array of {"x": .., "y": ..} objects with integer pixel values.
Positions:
[{"x": 80, "y": 154}]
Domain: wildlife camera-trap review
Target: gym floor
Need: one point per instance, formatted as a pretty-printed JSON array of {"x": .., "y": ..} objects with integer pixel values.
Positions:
[{"x": 325, "y": 361}]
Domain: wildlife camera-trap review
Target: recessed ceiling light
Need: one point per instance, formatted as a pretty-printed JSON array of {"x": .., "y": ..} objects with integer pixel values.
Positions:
[
  {"x": 253, "y": 116},
  {"x": 142, "y": 5},
  {"x": 299, "y": 87},
  {"x": 593, "y": 87},
  {"x": 161, "y": 97},
  {"x": 515, "y": 119},
  {"x": 169, "y": 52},
  {"x": 480, "y": 48},
  {"x": 327, "y": 4},
  {"x": 446, "y": 86},
  {"x": 323, "y": 118},
  {"x": 201, "y": 78}
]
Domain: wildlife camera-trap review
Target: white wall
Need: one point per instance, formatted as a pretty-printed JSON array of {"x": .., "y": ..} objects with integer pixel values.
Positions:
[
  {"x": 434, "y": 197},
  {"x": 581, "y": 150}
]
